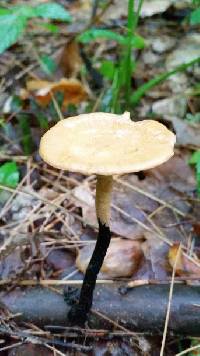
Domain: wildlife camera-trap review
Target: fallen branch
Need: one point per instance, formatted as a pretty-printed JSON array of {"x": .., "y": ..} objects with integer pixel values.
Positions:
[{"x": 139, "y": 309}]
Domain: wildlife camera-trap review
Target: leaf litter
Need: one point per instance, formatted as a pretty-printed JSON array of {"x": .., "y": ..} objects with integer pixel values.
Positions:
[{"x": 150, "y": 216}]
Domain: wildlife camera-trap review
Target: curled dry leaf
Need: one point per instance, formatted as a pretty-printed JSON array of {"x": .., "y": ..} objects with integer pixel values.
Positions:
[
  {"x": 72, "y": 89},
  {"x": 184, "y": 267},
  {"x": 122, "y": 258},
  {"x": 70, "y": 59}
]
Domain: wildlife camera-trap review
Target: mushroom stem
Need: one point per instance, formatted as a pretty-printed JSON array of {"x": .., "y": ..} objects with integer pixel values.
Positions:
[
  {"x": 103, "y": 198},
  {"x": 78, "y": 313}
]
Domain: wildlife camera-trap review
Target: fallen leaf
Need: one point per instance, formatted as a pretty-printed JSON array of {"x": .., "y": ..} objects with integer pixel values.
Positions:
[
  {"x": 84, "y": 195},
  {"x": 60, "y": 259},
  {"x": 48, "y": 194},
  {"x": 10, "y": 265},
  {"x": 70, "y": 59},
  {"x": 179, "y": 260},
  {"x": 122, "y": 258},
  {"x": 72, "y": 89},
  {"x": 9, "y": 174},
  {"x": 22, "y": 205},
  {"x": 85, "y": 201},
  {"x": 196, "y": 228},
  {"x": 175, "y": 173},
  {"x": 30, "y": 349},
  {"x": 184, "y": 267},
  {"x": 154, "y": 251}
]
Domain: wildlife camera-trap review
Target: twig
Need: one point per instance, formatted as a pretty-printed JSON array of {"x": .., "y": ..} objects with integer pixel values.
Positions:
[
  {"x": 20, "y": 191},
  {"x": 188, "y": 350},
  {"x": 52, "y": 348},
  {"x": 151, "y": 196},
  {"x": 11, "y": 346},
  {"x": 169, "y": 302},
  {"x": 56, "y": 106},
  {"x": 51, "y": 282}
]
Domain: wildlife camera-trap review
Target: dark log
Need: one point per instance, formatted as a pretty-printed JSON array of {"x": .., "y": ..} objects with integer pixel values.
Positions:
[{"x": 140, "y": 309}]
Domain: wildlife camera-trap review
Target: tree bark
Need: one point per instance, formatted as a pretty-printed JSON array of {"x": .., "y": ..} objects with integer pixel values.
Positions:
[{"x": 141, "y": 309}]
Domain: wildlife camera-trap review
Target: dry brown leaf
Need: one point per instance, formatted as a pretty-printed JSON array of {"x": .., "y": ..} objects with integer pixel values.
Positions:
[
  {"x": 70, "y": 59},
  {"x": 48, "y": 194},
  {"x": 196, "y": 228},
  {"x": 154, "y": 251},
  {"x": 72, "y": 90},
  {"x": 30, "y": 349},
  {"x": 122, "y": 258},
  {"x": 60, "y": 259},
  {"x": 184, "y": 267}
]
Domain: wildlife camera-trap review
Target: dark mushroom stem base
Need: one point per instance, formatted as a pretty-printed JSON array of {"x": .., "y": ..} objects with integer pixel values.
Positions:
[{"x": 79, "y": 312}]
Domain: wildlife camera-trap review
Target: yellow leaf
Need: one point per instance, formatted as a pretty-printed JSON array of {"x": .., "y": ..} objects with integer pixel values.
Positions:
[{"x": 72, "y": 89}]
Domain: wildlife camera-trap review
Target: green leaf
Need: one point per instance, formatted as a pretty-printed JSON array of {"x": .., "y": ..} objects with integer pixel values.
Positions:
[
  {"x": 195, "y": 17},
  {"x": 27, "y": 141},
  {"x": 9, "y": 174},
  {"x": 26, "y": 11},
  {"x": 137, "y": 42},
  {"x": 143, "y": 89},
  {"x": 50, "y": 27},
  {"x": 42, "y": 120},
  {"x": 4, "y": 11},
  {"x": 195, "y": 158},
  {"x": 39, "y": 114},
  {"x": 53, "y": 11},
  {"x": 2, "y": 122},
  {"x": 48, "y": 64},
  {"x": 193, "y": 118},
  {"x": 107, "y": 69},
  {"x": 94, "y": 34},
  {"x": 15, "y": 104},
  {"x": 196, "y": 351},
  {"x": 11, "y": 28}
]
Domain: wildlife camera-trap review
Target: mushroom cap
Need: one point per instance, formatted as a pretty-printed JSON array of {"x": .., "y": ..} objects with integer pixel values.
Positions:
[{"x": 106, "y": 144}]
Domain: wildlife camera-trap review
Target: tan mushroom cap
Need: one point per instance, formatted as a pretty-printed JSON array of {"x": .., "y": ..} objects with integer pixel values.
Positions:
[{"x": 106, "y": 144}]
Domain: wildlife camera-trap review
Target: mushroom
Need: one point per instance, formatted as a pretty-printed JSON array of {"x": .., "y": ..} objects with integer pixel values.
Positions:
[{"x": 103, "y": 144}]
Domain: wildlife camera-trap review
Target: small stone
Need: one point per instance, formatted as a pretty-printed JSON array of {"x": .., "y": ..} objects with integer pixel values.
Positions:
[
  {"x": 122, "y": 258},
  {"x": 187, "y": 50},
  {"x": 153, "y": 7},
  {"x": 149, "y": 8},
  {"x": 186, "y": 134},
  {"x": 150, "y": 58},
  {"x": 170, "y": 107},
  {"x": 22, "y": 205},
  {"x": 163, "y": 44},
  {"x": 178, "y": 83},
  {"x": 181, "y": 4}
]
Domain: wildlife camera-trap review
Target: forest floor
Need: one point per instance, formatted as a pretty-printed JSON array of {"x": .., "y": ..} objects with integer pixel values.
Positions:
[{"x": 47, "y": 216}]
